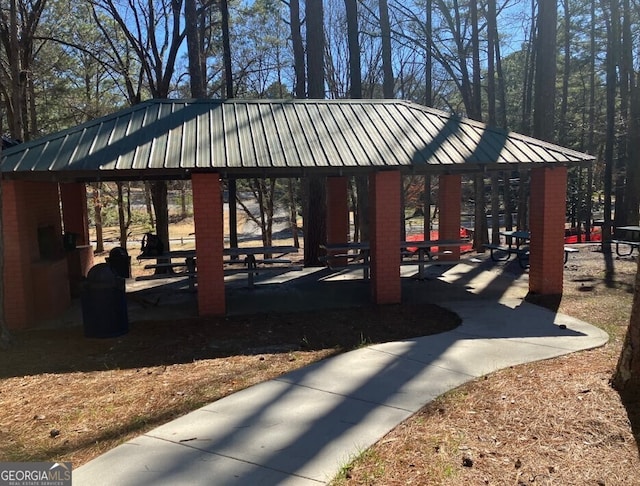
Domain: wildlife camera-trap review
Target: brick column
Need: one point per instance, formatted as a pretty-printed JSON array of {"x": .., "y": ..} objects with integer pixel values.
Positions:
[
  {"x": 450, "y": 205},
  {"x": 19, "y": 309},
  {"x": 546, "y": 222},
  {"x": 338, "y": 212},
  {"x": 384, "y": 200},
  {"x": 75, "y": 215},
  {"x": 208, "y": 222}
]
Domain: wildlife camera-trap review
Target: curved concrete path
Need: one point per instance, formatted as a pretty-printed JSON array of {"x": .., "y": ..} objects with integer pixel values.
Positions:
[{"x": 300, "y": 428}]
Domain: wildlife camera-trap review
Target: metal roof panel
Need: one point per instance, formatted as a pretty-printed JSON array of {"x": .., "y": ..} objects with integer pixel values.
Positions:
[{"x": 253, "y": 136}]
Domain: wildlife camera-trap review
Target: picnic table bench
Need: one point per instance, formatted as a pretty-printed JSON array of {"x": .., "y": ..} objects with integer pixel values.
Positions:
[{"x": 626, "y": 236}]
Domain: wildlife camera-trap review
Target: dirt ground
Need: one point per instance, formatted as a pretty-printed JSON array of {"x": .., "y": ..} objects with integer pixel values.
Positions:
[{"x": 69, "y": 398}]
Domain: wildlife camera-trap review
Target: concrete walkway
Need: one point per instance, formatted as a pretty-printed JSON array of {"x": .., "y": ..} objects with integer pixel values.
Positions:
[{"x": 301, "y": 428}]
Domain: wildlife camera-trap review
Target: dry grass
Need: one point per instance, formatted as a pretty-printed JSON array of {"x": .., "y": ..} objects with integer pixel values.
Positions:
[
  {"x": 553, "y": 422},
  {"x": 69, "y": 398}
]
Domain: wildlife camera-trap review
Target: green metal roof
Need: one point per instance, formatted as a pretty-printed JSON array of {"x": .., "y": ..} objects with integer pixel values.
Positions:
[{"x": 172, "y": 138}]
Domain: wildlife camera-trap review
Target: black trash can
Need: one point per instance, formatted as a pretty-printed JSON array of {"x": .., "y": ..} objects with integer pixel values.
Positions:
[
  {"x": 104, "y": 303},
  {"x": 120, "y": 262}
]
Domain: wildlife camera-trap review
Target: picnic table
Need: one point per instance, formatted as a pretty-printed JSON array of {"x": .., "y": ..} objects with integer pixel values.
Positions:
[
  {"x": 358, "y": 254},
  {"x": 424, "y": 251},
  {"x": 517, "y": 243},
  {"x": 626, "y": 236},
  {"x": 274, "y": 257},
  {"x": 355, "y": 254},
  {"x": 166, "y": 262},
  {"x": 186, "y": 259}
]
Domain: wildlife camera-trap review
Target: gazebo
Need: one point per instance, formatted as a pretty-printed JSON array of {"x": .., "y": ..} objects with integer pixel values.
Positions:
[{"x": 44, "y": 194}]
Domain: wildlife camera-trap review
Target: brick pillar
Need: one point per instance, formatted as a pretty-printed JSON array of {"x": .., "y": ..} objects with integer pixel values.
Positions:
[
  {"x": 384, "y": 200},
  {"x": 19, "y": 309},
  {"x": 338, "y": 212},
  {"x": 75, "y": 215},
  {"x": 546, "y": 222},
  {"x": 208, "y": 222},
  {"x": 450, "y": 206}
]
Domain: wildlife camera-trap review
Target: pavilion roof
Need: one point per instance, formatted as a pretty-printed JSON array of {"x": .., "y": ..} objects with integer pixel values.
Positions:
[{"x": 273, "y": 138}]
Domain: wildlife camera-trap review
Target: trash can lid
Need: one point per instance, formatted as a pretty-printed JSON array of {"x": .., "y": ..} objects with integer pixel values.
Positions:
[
  {"x": 102, "y": 273},
  {"x": 118, "y": 252}
]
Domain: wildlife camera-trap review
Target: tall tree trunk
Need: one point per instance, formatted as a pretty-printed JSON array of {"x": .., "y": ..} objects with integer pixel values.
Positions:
[
  {"x": 611, "y": 82},
  {"x": 491, "y": 70},
  {"x": 159, "y": 195},
  {"x": 232, "y": 186},
  {"x": 315, "y": 229},
  {"x": 495, "y": 208},
  {"x": 506, "y": 198},
  {"x": 529, "y": 71},
  {"x": 523, "y": 196},
  {"x": 97, "y": 215},
  {"x": 148, "y": 203},
  {"x": 480, "y": 233},
  {"x": 591, "y": 114},
  {"x": 566, "y": 72},
  {"x": 387, "y": 67},
  {"x": 122, "y": 223},
  {"x": 428, "y": 60},
  {"x": 353, "y": 40},
  {"x": 298, "y": 50},
  {"x": 626, "y": 378},
  {"x": 16, "y": 122},
  {"x": 625, "y": 68},
  {"x": 427, "y": 208},
  {"x": 293, "y": 213},
  {"x": 545, "y": 76},
  {"x": 355, "y": 78},
  {"x": 197, "y": 69},
  {"x": 632, "y": 137},
  {"x": 476, "y": 91}
]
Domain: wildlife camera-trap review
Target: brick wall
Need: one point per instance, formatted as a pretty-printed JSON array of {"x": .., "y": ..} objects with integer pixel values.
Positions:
[
  {"x": 208, "y": 222},
  {"x": 33, "y": 285},
  {"x": 546, "y": 222},
  {"x": 384, "y": 200}
]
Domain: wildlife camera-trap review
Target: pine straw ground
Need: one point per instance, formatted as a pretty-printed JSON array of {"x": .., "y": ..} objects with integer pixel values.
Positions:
[
  {"x": 68, "y": 398},
  {"x": 552, "y": 422}
]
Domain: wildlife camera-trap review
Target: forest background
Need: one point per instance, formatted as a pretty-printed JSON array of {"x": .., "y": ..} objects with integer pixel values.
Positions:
[{"x": 563, "y": 72}]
